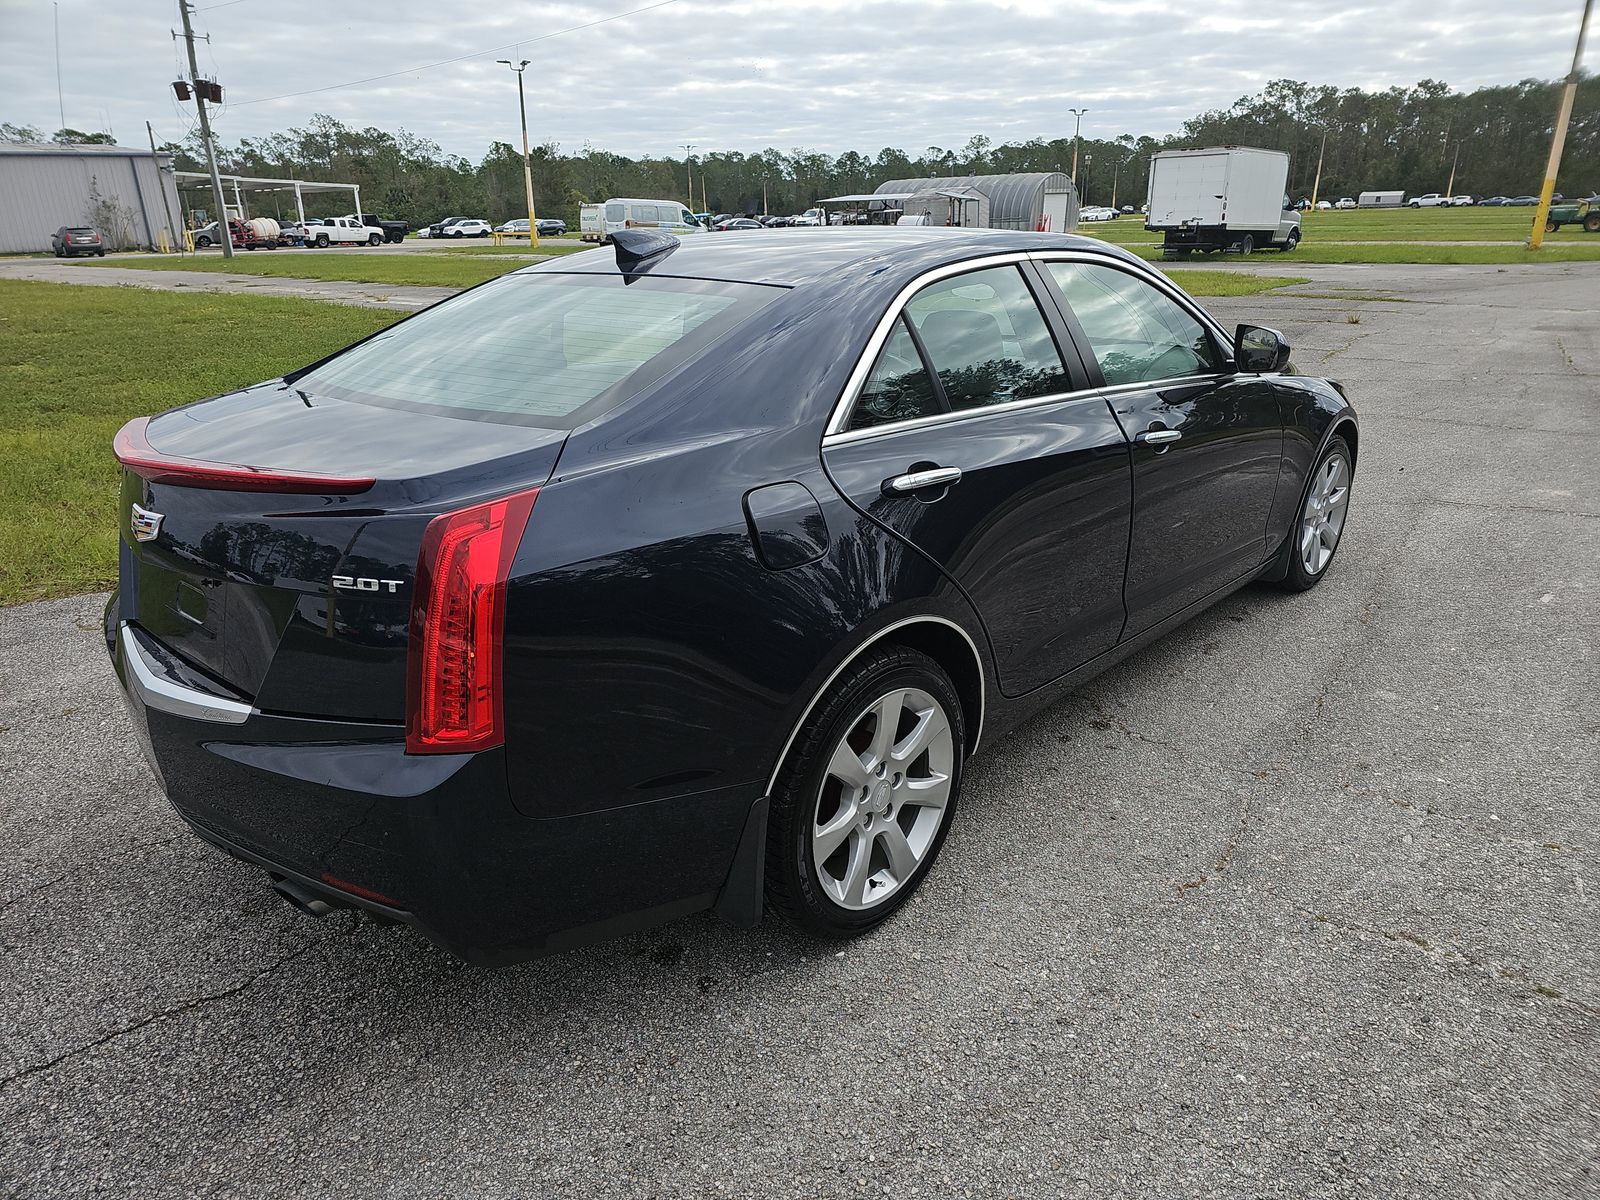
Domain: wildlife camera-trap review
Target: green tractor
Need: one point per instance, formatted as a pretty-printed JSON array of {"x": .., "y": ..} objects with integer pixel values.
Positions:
[{"x": 1575, "y": 212}]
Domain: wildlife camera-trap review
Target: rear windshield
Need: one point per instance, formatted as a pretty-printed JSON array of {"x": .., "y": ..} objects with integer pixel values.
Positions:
[{"x": 538, "y": 349}]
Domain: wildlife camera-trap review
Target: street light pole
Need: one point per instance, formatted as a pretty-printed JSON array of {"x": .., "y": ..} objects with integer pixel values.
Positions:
[
  {"x": 1077, "y": 128},
  {"x": 1450, "y": 188},
  {"x": 1317, "y": 182},
  {"x": 527, "y": 167},
  {"x": 688, "y": 168},
  {"x": 1558, "y": 140}
]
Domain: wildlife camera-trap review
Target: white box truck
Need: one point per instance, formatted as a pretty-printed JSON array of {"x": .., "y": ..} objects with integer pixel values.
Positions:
[{"x": 1223, "y": 198}]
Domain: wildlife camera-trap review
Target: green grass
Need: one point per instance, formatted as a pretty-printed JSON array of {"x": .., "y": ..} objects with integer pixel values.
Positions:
[
  {"x": 1382, "y": 225},
  {"x": 427, "y": 270},
  {"x": 546, "y": 246},
  {"x": 1230, "y": 283},
  {"x": 76, "y": 362},
  {"x": 1308, "y": 252}
]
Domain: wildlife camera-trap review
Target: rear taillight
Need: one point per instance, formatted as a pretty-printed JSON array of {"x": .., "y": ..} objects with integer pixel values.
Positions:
[
  {"x": 455, "y": 684},
  {"x": 134, "y": 451}
]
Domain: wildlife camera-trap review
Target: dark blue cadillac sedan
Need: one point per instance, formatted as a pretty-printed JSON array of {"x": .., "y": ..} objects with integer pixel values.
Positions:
[{"x": 675, "y": 576}]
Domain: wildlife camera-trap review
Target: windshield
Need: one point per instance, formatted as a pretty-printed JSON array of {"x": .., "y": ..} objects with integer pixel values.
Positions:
[{"x": 538, "y": 349}]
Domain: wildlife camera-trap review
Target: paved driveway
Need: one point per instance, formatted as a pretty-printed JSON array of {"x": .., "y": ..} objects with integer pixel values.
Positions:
[{"x": 1301, "y": 901}]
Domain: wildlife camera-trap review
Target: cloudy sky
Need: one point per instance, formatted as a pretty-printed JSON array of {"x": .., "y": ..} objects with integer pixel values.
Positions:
[{"x": 818, "y": 74}]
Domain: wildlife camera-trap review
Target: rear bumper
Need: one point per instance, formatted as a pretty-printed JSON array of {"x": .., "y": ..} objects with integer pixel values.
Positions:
[{"x": 430, "y": 840}]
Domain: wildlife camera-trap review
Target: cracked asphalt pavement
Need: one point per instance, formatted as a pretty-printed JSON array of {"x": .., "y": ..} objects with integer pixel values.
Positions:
[{"x": 1301, "y": 901}]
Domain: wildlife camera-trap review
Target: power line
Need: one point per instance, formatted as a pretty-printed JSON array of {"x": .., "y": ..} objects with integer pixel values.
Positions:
[{"x": 333, "y": 87}]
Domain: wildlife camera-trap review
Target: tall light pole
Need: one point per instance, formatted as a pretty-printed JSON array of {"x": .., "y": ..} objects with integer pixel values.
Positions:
[
  {"x": 688, "y": 167},
  {"x": 1558, "y": 140},
  {"x": 1077, "y": 128},
  {"x": 1317, "y": 182},
  {"x": 527, "y": 168},
  {"x": 1450, "y": 188}
]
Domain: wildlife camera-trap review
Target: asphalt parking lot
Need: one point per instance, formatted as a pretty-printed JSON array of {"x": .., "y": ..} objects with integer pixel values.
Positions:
[{"x": 1301, "y": 901}]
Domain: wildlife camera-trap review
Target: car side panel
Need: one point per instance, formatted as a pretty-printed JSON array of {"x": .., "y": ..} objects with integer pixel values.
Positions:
[{"x": 1310, "y": 408}]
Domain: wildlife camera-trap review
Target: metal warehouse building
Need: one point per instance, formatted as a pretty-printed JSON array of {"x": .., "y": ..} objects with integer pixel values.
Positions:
[
  {"x": 129, "y": 195},
  {"x": 1034, "y": 200}
]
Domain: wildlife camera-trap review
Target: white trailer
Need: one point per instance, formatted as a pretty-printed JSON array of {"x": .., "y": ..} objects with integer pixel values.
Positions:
[
  {"x": 1223, "y": 198},
  {"x": 592, "y": 222},
  {"x": 1380, "y": 199}
]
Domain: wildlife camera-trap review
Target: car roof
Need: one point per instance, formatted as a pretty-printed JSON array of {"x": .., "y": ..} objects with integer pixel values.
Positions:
[{"x": 791, "y": 259}]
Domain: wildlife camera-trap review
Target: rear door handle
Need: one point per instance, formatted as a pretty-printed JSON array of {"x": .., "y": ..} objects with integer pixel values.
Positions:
[
  {"x": 1157, "y": 437},
  {"x": 916, "y": 481}
]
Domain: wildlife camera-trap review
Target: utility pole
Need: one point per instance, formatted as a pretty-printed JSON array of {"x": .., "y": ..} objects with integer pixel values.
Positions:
[
  {"x": 688, "y": 166},
  {"x": 1558, "y": 140},
  {"x": 527, "y": 169},
  {"x": 165, "y": 207},
  {"x": 1317, "y": 182},
  {"x": 1450, "y": 188},
  {"x": 225, "y": 234},
  {"x": 1077, "y": 128},
  {"x": 61, "y": 104},
  {"x": 1116, "y": 169}
]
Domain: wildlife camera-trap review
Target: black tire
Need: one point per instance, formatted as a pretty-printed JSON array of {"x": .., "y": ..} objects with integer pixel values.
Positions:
[
  {"x": 100, "y": 253},
  {"x": 1290, "y": 242},
  {"x": 1247, "y": 245},
  {"x": 1550, "y": 226},
  {"x": 793, "y": 885},
  {"x": 202, "y": 243},
  {"x": 1296, "y": 578},
  {"x": 1591, "y": 223},
  {"x": 374, "y": 239},
  {"x": 322, "y": 241},
  {"x": 60, "y": 253},
  {"x": 1414, "y": 204}
]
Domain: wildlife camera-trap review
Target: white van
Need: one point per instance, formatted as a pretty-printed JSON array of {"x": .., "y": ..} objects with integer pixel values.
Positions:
[{"x": 648, "y": 214}]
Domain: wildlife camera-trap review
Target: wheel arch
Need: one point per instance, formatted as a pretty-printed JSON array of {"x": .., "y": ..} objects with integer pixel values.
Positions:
[
  {"x": 1346, "y": 428},
  {"x": 942, "y": 640}
]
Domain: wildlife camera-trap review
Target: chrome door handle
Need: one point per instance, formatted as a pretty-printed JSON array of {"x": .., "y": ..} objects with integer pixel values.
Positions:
[
  {"x": 1156, "y": 437},
  {"x": 900, "y": 485}
]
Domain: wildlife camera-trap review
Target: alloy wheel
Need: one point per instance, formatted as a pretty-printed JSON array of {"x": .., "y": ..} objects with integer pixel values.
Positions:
[
  {"x": 883, "y": 798},
  {"x": 1322, "y": 519}
]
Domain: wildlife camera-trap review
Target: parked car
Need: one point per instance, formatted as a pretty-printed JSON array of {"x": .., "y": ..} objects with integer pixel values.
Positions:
[
  {"x": 526, "y": 636},
  {"x": 520, "y": 225},
  {"x": 393, "y": 231},
  {"x": 1429, "y": 200},
  {"x": 72, "y": 240},
  {"x": 1126, "y": 209},
  {"x": 1522, "y": 201},
  {"x": 343, "y": 231},
  {"x": 1494, "y": 202},
  {"x": 551, "y": 227},
  {"x": 1344, "y": 202},
  {"x": 738, "y": 223},
  {"x": 1461, "y": 201},
  {"x": 1096, "y": 212},
  {"x": 1324, "y": 206},
  {"x": 463, "y": 227},
  {"x": 777, "y": 222},
  {"x": 291, "y": 233},
  {"x": 438, "y": 227}
]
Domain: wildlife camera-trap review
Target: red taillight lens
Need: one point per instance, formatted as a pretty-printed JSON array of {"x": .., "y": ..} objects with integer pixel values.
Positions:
[
  {"x": 458, "y": 618},
  {"x": 134, "y": 451}
]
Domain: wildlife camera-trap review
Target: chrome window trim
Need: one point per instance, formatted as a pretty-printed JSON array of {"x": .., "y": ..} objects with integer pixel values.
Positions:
[
  {"x": 156, "y": 690},
  {"x": 836, "y": 431},
  {"x": 983, "y": 699},
  {"x": 964, "y": 414}
]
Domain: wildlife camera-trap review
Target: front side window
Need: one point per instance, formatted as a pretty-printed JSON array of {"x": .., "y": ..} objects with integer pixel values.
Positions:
[
  {"x": 986, "y": 339},
  {"x": 1138, "y": 333},
  {"x": 541, "y": 349}
]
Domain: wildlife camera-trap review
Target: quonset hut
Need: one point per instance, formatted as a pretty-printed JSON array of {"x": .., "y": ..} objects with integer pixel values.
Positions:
[{"x": 1042, "y": 201}]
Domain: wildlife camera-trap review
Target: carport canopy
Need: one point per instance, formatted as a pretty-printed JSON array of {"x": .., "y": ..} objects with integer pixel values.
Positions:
[{"x": 244, "y": 185}]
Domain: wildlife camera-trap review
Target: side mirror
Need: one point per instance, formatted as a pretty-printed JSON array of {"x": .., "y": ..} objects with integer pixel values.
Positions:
[{"x": 1257, "y": 349}]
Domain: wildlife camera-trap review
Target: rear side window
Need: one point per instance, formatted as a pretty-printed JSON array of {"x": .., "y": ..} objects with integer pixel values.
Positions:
[
  {"x": 616, "y": 212},
  {"x": 1138, "y": 333},
  {"x": 538, "y": 349},
  {"x": 899, "y": 388},
  {"x": 986, "y": 339}
]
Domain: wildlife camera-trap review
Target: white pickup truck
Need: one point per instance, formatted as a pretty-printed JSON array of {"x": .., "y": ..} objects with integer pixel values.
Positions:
[{"x": 342, "y": 231}]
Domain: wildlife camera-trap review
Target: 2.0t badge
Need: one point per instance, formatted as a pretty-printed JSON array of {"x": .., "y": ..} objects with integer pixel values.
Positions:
[{"x": 146, "y": 524}]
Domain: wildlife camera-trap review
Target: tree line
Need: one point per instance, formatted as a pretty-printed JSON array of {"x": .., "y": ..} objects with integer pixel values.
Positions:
[{"x": 1492, "y": 141}]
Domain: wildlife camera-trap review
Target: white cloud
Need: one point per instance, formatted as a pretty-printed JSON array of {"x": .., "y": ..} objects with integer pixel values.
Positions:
[{"x": 823, "y": 74}]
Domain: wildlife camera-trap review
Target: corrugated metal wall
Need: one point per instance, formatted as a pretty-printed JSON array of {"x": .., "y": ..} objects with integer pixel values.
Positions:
[
  {"x": 45, "y": 187},
  {"x": 1016, "y": 201}
]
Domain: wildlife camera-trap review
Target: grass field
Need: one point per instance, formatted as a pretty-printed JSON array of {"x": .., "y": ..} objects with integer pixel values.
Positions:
[
  {"x": 1229, "y": 283},
  {"x": 76, "y": 362},
  {"x": 1396, "y": 235},
  {"x": 455, "y": 268}
]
